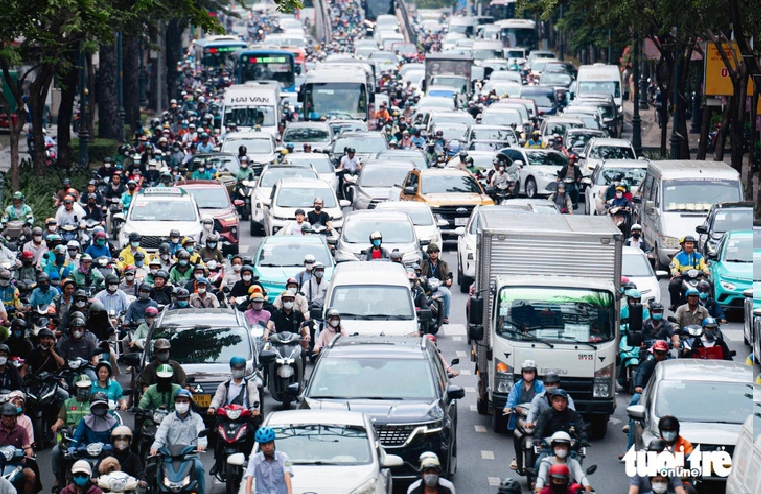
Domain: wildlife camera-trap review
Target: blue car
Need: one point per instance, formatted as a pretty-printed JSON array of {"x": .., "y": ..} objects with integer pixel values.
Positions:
[
  {"x": 732, "y": 268},
  {"x": 281, "y": 257}
]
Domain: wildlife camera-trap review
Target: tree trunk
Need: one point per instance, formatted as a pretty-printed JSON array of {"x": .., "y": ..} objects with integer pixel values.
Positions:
[
  {"x": 721, "y": 139},
  {"x": 131, "y": 97},
  {"x": 173, "y": 38},
  {"x": 705, "y": 129},
  {"x": 68, "y": 81},
  {"x": 92, "y": 95},
  {"x": 684, "y": 104},
  {"x": 108, "y": 94},
  {"x": 38, "y": 91},
  {"x": 738, "y": 120}
]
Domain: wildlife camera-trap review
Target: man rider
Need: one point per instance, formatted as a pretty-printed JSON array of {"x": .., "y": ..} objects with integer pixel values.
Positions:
[
  {"x": 439, "y": 269},
  {"x": 655, "y": 328},
  {"x": 524, "y": 391},
  {"x": 112, "y": 298},
  {"x": 543, "y": 401},
  {"x": 319, "y": 217},
  {"x": 709, "y": 346},
  {"x": 706, "y": 300},
  {"x": 535, "y": 141},
  {"x": 162, "y": 347},
  {"x": 287, "y": 318},
  {"x": 181, "y": 272},
  {"x": 636, "y": 239},
  {"x": 376, "y": 250},
  {"x": 691, "y": 313},
  {"x": 127, "y": 255},
  {"x": 11, "y": 434},
  {"x": 303, "y": 276},
  {"x": 35, "y": 246},
  {"x": 161, "y": 392},
  {"x": 70, "y": 213},
  {"x": 431, "y": 156},
  {"x": 161, "y": 293},
  {"x": 297, "y": 227},
  {"x": 561, "y": 200},
  {"x": 573, "y": 172},
  {"x": 75, "y": 345},
  {"x": 19, "y": 211},
  {"x": 316, "y": 286},
  {"x": 130, "y": 463},
  {"x": 559, "y": 418},
  {"x": 210, "y": 250},
  {"x": 72, "y": 411},
  {"x": 85, "y": 276},
  {"x": 9, "y": 376},
  {"x": 560, "y": 445}
]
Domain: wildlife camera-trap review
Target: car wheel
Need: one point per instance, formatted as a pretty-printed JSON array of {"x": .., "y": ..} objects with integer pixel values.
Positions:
[
  {"x": 531, "y": 188},
  {"x": 462, "y": 280}
]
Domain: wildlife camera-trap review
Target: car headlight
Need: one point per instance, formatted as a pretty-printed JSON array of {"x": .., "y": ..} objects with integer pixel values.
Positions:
[
  {"x": 603, "y": 382},
  {"x": 366, "y": 488},
  {"x": 727, "y": 285},
  {"x": 503, "y": 377},
  {"x": 228, "y": 219}
]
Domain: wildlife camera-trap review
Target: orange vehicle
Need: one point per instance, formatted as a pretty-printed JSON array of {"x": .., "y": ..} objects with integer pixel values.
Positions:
[{"x": 300, "y": 58}]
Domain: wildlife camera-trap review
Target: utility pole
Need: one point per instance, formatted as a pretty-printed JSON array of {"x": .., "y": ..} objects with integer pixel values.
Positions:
[
  {"x": 636, "y": 119},
  {"x": 84, "y": 136}
]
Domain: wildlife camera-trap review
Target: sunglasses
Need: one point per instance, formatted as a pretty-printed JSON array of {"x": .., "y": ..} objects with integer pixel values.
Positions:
[{"x": 80, "y": 475}]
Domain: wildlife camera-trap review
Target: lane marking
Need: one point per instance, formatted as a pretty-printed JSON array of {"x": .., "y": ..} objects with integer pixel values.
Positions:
[
  {"x": 455, "y": 330},
  {"x": 614, "y": 421},
  {"x": 465, "y": 372},
  {"x": 487, "y": 455},
  {"x": 469, "y": 390},
  {"x": 243, "y": 249},
  {"x": 495, "y": 481},
  {"x": 473, "y": 408},
  {"x": 461, "y": 353},
  {"x": 480, "y": 428},
  {"x": 456, "y": 338}
]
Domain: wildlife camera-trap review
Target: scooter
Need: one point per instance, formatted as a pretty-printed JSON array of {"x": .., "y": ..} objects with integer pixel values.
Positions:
[
  {"x": 233, "y": 423},
  {"x": 525, "y": 435},
  {"x": 92, "y": 453},
  {"x": 14, "y": 464},
  {"x": 690, "y": 279},
  {"x": 69, "y": 232},
  {"x": 242, "y": 191},
  {"x": 175, "y": 472},
  {"x": 504, "y": 191},
  {"x": 287, "y": 367},
  {"x": 347, "y": 185},
  {"x": 117, "y": 482},
  {"x": 151, "y": 421},
  {"x": 45, "y": 398},
  {"x": 436, "y": 304},
  {"x": 629, "y": 347}
]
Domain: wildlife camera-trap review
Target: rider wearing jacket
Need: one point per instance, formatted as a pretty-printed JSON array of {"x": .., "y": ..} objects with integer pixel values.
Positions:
[
  {"x": 711, "y": 345},
  {"x": 524, "y": 391},
  {"x": 714, "y": 308},
  {"x": 376, "y": 250},
  {"x": 559, "y": 418},
  {"x": 684, "y": 261}
]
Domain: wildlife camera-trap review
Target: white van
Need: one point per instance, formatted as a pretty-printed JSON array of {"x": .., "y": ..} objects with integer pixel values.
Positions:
[
  {"x": 675, "y": 196},
  {"x": 600, "y": 78},
  {"x": 253, "y": 103},
  {"x": 744, "y": 477},
  {"x": 373, "y": 297}
]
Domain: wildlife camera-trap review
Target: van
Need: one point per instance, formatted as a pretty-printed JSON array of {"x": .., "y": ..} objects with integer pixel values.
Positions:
[
  {"x": 462, "y": 24},
  {"x": 252, "y": 103},
  {"x": 744, "y": 477},
  {"x": 373, "y": 297},
  {"x": 675, "y": 197},
  {"x": 600, "y": 78}
]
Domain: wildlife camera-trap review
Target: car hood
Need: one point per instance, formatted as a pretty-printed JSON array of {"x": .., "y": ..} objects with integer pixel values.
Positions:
[
  {"x": 379, "y": 327},
  {"x": 715, "y": 434},
  {"x": 215, "y": 212},
  {"x": 381, "y": 193},
  {"x": 281, "y": 274},
  {"x": 647, "y": 285},
  {"x": 449, "y": 199},
  {"x": 676, "y": 224},
  {"x": 159, "y": 228},
  {"x": 325, "y": 479},
  {"x": 384, "y": 411}
]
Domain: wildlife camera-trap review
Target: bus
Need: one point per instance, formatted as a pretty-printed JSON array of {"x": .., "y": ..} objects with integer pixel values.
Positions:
[
  {"x": 218, "y": 52},
  {"x": 267, "y": 65},
  {"x": 518, "y": 33},
  {"x": 332, "y": 93},
  {"x": 374, "y": 8},
  {"x": 502, "y": 9}
]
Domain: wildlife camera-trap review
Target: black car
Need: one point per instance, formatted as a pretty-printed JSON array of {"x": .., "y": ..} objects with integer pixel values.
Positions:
[
  {"x": 402, "y": 383},
  {"x": 723, "y": 217}
]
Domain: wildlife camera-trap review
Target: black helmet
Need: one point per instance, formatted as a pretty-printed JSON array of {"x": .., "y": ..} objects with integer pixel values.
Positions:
[
  {"x": 112, "y": 279},
  {"x": 45, "y": 333},
  {"x": 395, "y": 255},
  {"x": 551, "y": 378},
  {"x": 161, "y": 273},
  {"x": 656, "y": 307},
  {"x": 242, "y": 150},
  {"x": 163, "y": 248},
  {"x": 668, "y": 423},
  {"x": 463, "y": 154},
  {"x": 182, "y": 293},
  {"x": 509, "y": 486},
  {"x": 183, "y": 254},
  {"x": 134, "y": 237},
  {"x": 688, "y": 238},
  {"x": 18, "y": 324},
  {"x": 704, "y": 286}
]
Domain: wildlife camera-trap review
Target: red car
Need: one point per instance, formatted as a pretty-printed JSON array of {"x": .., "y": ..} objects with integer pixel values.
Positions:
[
  {"x": 5, "y": 122},
  {"x": 214, "y": 201}
]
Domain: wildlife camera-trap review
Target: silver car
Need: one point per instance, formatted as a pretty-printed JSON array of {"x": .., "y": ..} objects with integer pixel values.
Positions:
[
  {"x": 318, "y": 134},
  {"x": 262, "y": 191},
  {"x": 378, "y": 181},
  {"x": 537, "y": 170},
  {"x": 396, "y": 227},
  {"x": 320, "y": 162}
]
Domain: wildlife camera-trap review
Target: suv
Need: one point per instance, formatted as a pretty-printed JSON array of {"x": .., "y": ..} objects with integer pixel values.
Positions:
[
  {"x": 723, "y": 217},
  {"x": 203, "y": 341},
  {"x": 212, "y": 198},
  {"x": 371, "y": 375}
]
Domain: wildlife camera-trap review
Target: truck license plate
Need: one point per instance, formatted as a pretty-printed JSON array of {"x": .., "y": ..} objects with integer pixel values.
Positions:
[{"x": 460, "y": 221}]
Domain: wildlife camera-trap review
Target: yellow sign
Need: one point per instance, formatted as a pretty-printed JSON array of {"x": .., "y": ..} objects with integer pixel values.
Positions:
[{"x": 717, "y": 79}]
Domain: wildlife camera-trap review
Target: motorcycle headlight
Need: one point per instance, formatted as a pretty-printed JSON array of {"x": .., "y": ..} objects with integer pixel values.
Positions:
[
  {"x": 366, "y": 488},
  {"x": 727, "y": 285},
  {"x": 503, "y": 377},
  {"x": 117, "y": 484},
  {"x": 94, "y": 449},
  {"x": 603, "y": 382},
  {"x": 8, "y": 452},
  {"x": 233, "y": 414},
  {"x": 74, "y": 364},
  {"x": 285, "y": 371}
]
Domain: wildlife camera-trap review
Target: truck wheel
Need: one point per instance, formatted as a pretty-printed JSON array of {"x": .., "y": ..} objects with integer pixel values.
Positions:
[
  {"x": 599, "y": 426},
  {"x": 498, "y": 421},
  {"x": 463, "y": 280}
]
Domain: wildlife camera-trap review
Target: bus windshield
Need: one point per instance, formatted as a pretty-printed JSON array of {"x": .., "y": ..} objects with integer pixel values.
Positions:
[
  {"x": 220, "y": 57},
  {"x": 336, "y": 99},
  {"x": 268, "y": 67},
  {"x": 249, "y": 116},
  {"x": 519, "y": 38}
]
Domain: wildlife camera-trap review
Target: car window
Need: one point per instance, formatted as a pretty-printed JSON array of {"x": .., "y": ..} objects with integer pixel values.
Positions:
[
  {"x": 204, "y": 344},
  {"x": 381, "y": 176},
  {"x": 211, "y": 197},
  {"x": 411, "y": 180},
  {"x": 474, "y": 225},
  {"x": 698, "y": 195},
  {"x": 324, "y": 444},
  {"x": 291, "y": 254},
  {"x": 272, "y": 175},
  {"x": 357, "y": 231},
  {"x": 611, "y": 153},
  {"x": 737, "y": 249},
  {"x": 319, "y": 161},
  {"x": 440, "y": 375},
  {"x": 143, "y": 210},
  {"x": 696, "y": 401},
  {"x": 536, "y": 158},
  {"x": 387, "y": 378},
  {"x": 306, "y": 134},
  {"x": 438, "y": 184},
  {"x": 725, "y": 220},
  {"x": 635, "y": 265},
  {"x": 656, "y": 194},
  {"x": 631, "y": 176},
  {"x": 646, "y": 193}
]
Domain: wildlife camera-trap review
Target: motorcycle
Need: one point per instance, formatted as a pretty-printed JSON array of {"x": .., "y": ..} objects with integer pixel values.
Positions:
[
  {"x": 88, "y": 233},
  {"x": 69, "y": 232},
  {"x": 92, "y": 453},
  {"x": 525, "y": 435},
  {"x": 233, "y": 422},
  {"x": 117, "y": 216},
  {"x": 45, "y": 398},
  {"x": 51, "y": 156},
  {"x": 25, "y": 288},
  {"x": 103, "y": 264},
  {"x": 175, "y": 472},
  {"x": 690, "y": 279},
  {"x": 242, "y": 191},
  {"x": 73, "y": 368},
  {"x": 117, "y": 482},
  {"x": 629, "y": 347},
  {"x": 287, "y": 366},
  {"x": 504, "y": 191},
  {"x": 14, "y": 464},
  {"x": 436, "y": 304},
  {"x": 347, "y": 185},
  {"x": 151, "y": 421},
  {"x": 621, "y": 217}
]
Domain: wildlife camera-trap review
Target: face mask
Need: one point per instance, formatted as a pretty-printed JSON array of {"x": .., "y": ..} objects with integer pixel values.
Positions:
[
  {"x": 4, "y": 283},
  {"x": 201, "y": 291},
  {"x": 19, "y": 410},
  {"x": 139, "y": 264},
  {"x": 288, "y": 305},
  {"x": 237, "y": 267},
  {"x": 59, "y": 258},
  {"x": 659, "y": 487},
  {"x": 112, "y": 288},
  {"x": 175, "y": 240},
  {"x": 376, "y": 243},
  {"x": 99, "y": 411},
  {"x": 17, "y": 334},
  {"x": 81, "y": 481},
  {"x": 619, "y": 195},
  {"x": 669, "y": 436},
  {"x": 561, "y": 452},
  {"x": 100, "y": 242},
  {"x": 3, "y": 360},
  {"x": 318, "y": 208},
  {"x": 163, "y": 357},
  {"x": 121, "y": 445},
  {"x": 636, "y": 236},
  {"x": 38, "y": 238},
  {"x": 244, "y": 166},
  {"x": 164, "y": 257},
  {"x": 182, "y": 304},
  {"x": 143, "y": 295},
  {"x": 83, "y": 393},
  {"x": 318, "y": 274},
  {"x": 129, "y": 276},
  {"x": 78, "y": 334},
  {"x": 257, "y": 306},
  {"x": 238, "y": 373},
  {"x": 431, "y": 479},
  {"x": 211, "y": 245},
  {"x": 183, "y": 262},
  {"x": 335, "y": 323},
  {"x": 197, "y": 275},
  {"x": 190, "y": 248},
  {"x": 80, "y": 304},
  {"x": 703, "y": 295},
  {"x": 246, "y": 277},
  {"x": 657, "y": 316},
  {"x": 182, "y": 408},
  {"x": 154, "y": 271}
]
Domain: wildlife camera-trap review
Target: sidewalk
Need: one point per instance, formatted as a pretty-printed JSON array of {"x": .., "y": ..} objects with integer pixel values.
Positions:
[
  {"x": 5, "y": 152},
  {"x": 651, "y": 133}
]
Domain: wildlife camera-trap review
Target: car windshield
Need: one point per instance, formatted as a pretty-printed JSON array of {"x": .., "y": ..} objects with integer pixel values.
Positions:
[
  {"x": 452, "y": 131},
  {"x": 541, "y": 99},
  {"x": 590, "y": 121},
  {"x": 306, "y": 134},
  {"x": 324, "y": 444},
  {"x": 441, "y": 184},
  {"x": 503, "y": 89},
  {"x": 320, "y": 162},
  {"x": 607, "y": 87},
  {"x": 739, "y": 249},
  {"x": 556, "y": 314},
  {"x": 550, "y": 159},
  {"x": 248, "y": 116},
  {"x": 556, "y": 78},
  {"x": 211, "y": 197},
  {"x": 291, "y": 254},
  {"x": 272, "y": 175},
  {"x": 706, "y": 402},
  {"x": 303, "y": 197},
  {"x": 441, "y": 93},
  {"x": 253, "y": 146},
  {"x": 683, "y": 195},
  {"x": 486, "y": 134},
  {"x": 376, "y": 378},
  {"x": 612, "y": 153},
  {"x": 726, "y": 220},
  {"x": 635, "y": 265},
  {"x": 205, "y": 344},
  {"x": 488, "y": 145},
  {"x": 365, "y": 144},
  {"x": 502, "y": 118},
  {"x": 419, "y": 216},
  {"x": 156, "y": 210},
  {"x": 631, "y": 176},
  {"x": 358, "y": 231},
  {"x": 373, "y": 302},
  {"x": 382, "y": 176},
  {"x": 340, "y": 127},
  {"x": 221, "y": 163},
  {"x": 578, "y": 141},
  {"x": 560, "y": 127}
]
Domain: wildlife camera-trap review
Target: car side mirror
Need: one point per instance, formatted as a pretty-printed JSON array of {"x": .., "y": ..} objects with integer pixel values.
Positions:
[
  {"x": 344, "y": 203},
  {"x": 488, "y": 189},
  {"x": 702, "y": 230},
  {"x": 130, "y": 359},
  {"x": 661, "y": 274},
  {"x": 266, "y": 202},
  {"x": 392, "y": 461},
  {"x": 518, "y": 163},
  {"x": 637, "y": 412},
  {"x": 460, "y": 230},
  {"x": 425, "y": 242},
  {"x": 267, "y": 357},
  {"x": 315, "y": 314},
  {"x": 476, "y": 312},
  {"x": 442, "y": 223},
  {"x": 332, "y": 240},
  {"x": 238, "y": 203},
  {"x": 410, "y": 191},
  {"x": 455, "y": 392},
  {"x": 637, "y": 200},
  {"x": 649, "y": 207}
]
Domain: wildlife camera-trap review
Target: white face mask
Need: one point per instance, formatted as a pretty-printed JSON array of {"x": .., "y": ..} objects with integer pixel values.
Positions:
[
  {"x": 197, "y": 275},
  {"x": 154, "y": 271},
  {"x": 619, "y": 195},
  {"x": 288, "y": 305},
  {"x": 246, "y": 277},
  {"x": 78, "y": 334},
  {"x": 659, "y": 487},
  {"x": 201, "y": 291},
  {"x": 182, "y": 407},
  {"x": 237, "y": 267},
  {"x": 561, "y": 452},
  {"x": 335, "y": 323},
  {"x": 3, "y": 360},
  {"x": 121, "y": 445}
]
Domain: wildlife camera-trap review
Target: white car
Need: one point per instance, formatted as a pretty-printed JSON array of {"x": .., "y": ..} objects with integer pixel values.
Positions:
[
  {"x": 262, "y": 190},
  {"x": 604, "y": 148},
  {"x": 261, "y": 147},
  {"x": 156, "y": 210},
  {"x": 466, "y": 236},
  {"x": 425, "y": 225},
  {"x": 333, "y": 451},
  {"x": 537, "y": 170},
  {"x": 636, "y": 266},
  {"x": 633, "y": 172},
  {"x": 320, "y": 162},
  {"x": 290, "y": 194}
]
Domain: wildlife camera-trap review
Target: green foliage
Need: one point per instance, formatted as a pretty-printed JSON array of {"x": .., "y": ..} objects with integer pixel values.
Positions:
[
  {"x": 288, "y": 6},
  {"x": 654, "y": 155},
  {"x": 97, "y": 149},
  {"x": 434, "y": 4}
]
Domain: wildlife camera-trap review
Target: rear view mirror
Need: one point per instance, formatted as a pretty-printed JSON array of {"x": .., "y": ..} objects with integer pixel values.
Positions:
[
  {"x": 476, "y": 315},
  {"x": 267, "y": 357},
  {"x": 292, "y": 389},
  {"x": 635, "y": 317},
  {"x": 671, "y": 319},
  {"x": 425, "y": 315},
  {"x": 460, "y": 230},
  {"x": 636, "y": 412},
  {"x": 391, "y": 461},
  {"x": 344, "y": 203},
  {"x": 315, "y": 314},
  {"x": 131, "y": 359},
  {"x": 454, "y": 361},
  {"x": 455, "y": 392},
  {"x": 701, "y": 229}
]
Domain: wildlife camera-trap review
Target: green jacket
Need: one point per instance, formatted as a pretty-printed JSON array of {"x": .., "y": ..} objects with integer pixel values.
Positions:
[
  {"x": 175, "y": 275},
  {"x": 96, "y": 278},
  {"x": 153, "y": 398},
  {"x": 73, "y": 411},
  {"x": 25, "y": 213}
]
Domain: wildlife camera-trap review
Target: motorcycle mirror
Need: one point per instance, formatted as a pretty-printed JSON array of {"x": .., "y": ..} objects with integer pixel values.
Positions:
[
  {"x": 203, "y": 433},
  {"x": 425, "y": 315},
  {"x": 454, "y": 361},
  {"x": 592, "y": 469},
  {"x": 267, "y": 357},
  {"x": 292, "y": 389},
  {"x": 126, "y": 392},
  {"x": 315, "y": 314},
  {"x": 671, "y": 319}
]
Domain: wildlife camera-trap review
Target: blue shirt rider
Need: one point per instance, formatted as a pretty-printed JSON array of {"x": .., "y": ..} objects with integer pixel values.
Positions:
[
  {"x": 619, "y": 200},
  {"x": 714, "y": 308},
  {"x": 129, "y": 194},
  {"x": 523, "y": 391},
  {"x": 633, "y": 297},
  {"x": 61, "y": 265}
]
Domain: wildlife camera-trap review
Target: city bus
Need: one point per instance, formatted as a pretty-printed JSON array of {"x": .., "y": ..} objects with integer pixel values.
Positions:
[
  {"x": 217, "y": 52},
  {"x": 502, "y": 9},
  {"x": 331, "y": 93},
  {"x": 518, "y": 33},
  {"x": 267, "y": 65}
]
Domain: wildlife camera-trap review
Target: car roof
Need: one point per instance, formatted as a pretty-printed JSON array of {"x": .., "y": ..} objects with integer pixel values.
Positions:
[
  {"x": 704, "y": 370},
  {"x": 445, "y": 171},
  {"x": 299, "y": 154},
  {"x": 376, "y": 348},
  {"x": 199, "y": 184},
  {"x": 293, "y": 239},
  {"x": 627, "y": 163},
  {"x": 307, "y": 124},
  {"x": 376, "y": 163},
  {"x": 363, "y": 214},
  {"x": 304, "y": 183},
  {"x": 370, "y": 273},
  {"x": 631, "y": 250},
  {"x": 316, "y": 417},
  {"x": 248, "y": 135},
  {"x": 693, "y": 168},
  {"x": 563, "y": 118},
  {"x": 732, "y": 205},
  {"x": 357, "y": 134},
  {"x": 611, "y": 141},
  {"x": 402, "y": 205}
]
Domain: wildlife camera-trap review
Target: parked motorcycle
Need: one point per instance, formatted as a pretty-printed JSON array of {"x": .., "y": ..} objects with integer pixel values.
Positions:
[
  {"x": 45, "y": 398},
  {"x": 233, "y": 431},
  {"x": 287, "y": 366}
]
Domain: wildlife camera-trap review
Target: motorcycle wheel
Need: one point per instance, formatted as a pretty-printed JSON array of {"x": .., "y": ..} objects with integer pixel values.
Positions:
[
  {"x": 38, "y": 427},
  {"x": 233, "y": 482},
  {"x": 631, "y": 371},
  {"x": 286, "y": 402}
]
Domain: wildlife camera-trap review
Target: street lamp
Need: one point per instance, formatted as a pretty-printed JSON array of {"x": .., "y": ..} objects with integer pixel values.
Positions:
[
  {"x": 675, "y": 141},
  {"x": 84, "y": 136},
  {"x": 636, "y": 119}
]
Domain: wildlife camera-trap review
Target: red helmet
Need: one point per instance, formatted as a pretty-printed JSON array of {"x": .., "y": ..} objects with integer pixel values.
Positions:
[
  {"x": 624, "y": 279},
  {"x": 151, "y": 311},
  {"x": 27, "y": 256},
  {"x": 560, "y": 471},
  {"x": 431, "y": 337},
  {"x": 660, "y": 346}
]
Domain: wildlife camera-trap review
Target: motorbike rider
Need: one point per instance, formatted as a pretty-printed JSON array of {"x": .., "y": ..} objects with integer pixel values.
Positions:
[
  {"x": 72, "y": 411},
  {"x": 27, "y": 271},
  {"x": 43, "y": 357},
  {"x": 174, "y": 242},
  {"x": 267, "y": 466},
  {"x": 691, "y": 313},
  {"x": 35, "y": 246},
  {"x": 161, "y": 292},
  {"x": 431, "y": 156},
  {"x": 19, "y": 210},
  {"x": 100, "y": 246},
  {"x": 96, "y": 426},
  {"x": 237, "y": 391},
  {"x": 256, "y": 312},
  {"x": 87, "y": 277},
  {"x": 202, "y": 298},
  {"x": 560, "y": 445},
  {"x": 18, "y": 344},
  {"x": 438, "y": 268},
  {"x": 93, "y": 211},
  {"x": 330, "y": 330},
  {"x": 112, "y": 298},
  {"x": 543, "y": 401},
  {"x": 182, "y": 299},
  {"x": 164, "y": 257},
  {"x": 297, "y": 227},
  {"x": 242, "y": 286},
  {"x": 162, "y": 346},
  {"x": 571, "y": 171},
  {"x": 210, "y": 250},
  {"x": 562, "y": 200},
  {"x": 244, "y": 173},
  {"x": 182, "y": 272},
  {"x": 287, "y": 318},
  {"x": 75, "y": 345},
  {"x": 349, "y": 164},
  {"x": 303, "y": 276},
  {"x": 127, "y": 255},
  {"x": 656, "y": 484},
  {"x": 376, "y": 250},
  {"x": 60, "y": 264},
  {"x": 636, "y": 239},
  {"x": 154, "y": 265},
  {"x": 182, "y": 427},
  {"x": 500, "y": 177},
  {"x": 300, "y": 301},
  {"x": 535, "y": 141},
  {"x": 44, "y": 293},
  {"x": 686, "y": 259},
  {"x": 9, "y": 376},
  {"x": 709, "y": 346},
  {"x": 706, "y": 300},
  {"x": 619, "y": 200},
  {"x": 18, "y": 399},
  {"x": 161, "y": 392},
  {"x": 319, "y": 217},
  {"x": 633, "y": 298},
  {"x": 141, "y": 333},
  {"x": 72, "y": 249},
  {"x": 11, "y": 434},
  {"x": 524, "y": 391},
  {"x": 655, "y": 328},
  {"x": 130, "y": 463},
  {"x": 316, "y": 286},
  {"x": 559, "y": 418},
  {"x": 559, "y": 477},
  {"x": 136, "y": 311},
  {"x": 430, "y": 481}
]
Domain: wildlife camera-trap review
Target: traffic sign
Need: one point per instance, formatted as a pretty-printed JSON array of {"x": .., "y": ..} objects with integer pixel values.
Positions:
[{"x": 717, "y": 80}]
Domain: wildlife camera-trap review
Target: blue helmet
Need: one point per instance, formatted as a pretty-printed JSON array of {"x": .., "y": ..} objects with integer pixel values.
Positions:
[
  {"x": 691, "y": 292},
  {"x": 202, "y": 280},
  {"x": 264, "y": 435},
  {"x": 559, "y": 392},
  {"x": 183, "y": 393},
  {"x": 289, "y": 146},
  {"x": 237, "y": 361},
  {"x": 710, "y": 322}
]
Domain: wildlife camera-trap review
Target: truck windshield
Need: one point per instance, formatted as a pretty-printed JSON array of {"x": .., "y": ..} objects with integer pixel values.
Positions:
[{"x": 555, "y": 314}]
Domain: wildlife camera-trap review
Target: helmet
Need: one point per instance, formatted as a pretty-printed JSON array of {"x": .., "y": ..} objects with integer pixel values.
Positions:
[
  {"x": 82, "y": 381},
  {"x": 656, "y": 307},
  {"x": 151, "y": 311},
  {"x": 560, "y": 437},
  {"x": 463, "y": 154},
  {"x": 134, "y": 237},
  {"x": 660, "y": 346},
  {"x": 45, "y": 333},
  {"x": 309, "y": 258},
  {"x": 510, "y": 486},
  {"x": 5, "y": 348},
  {"x": 528, "y": 365},
  {"x": 376, "y": 235},
  {"x": 291, "y": 281},
  {"x": 432, "y": 247},
  {"x": 43, "y": 277},
  {"x": 20, "y": 323},
  {"x": 164, "y": 371},
  {"x": 430, "y": 462},
  {"x": 107, "y": 365},
  {"x": 182, "y": 293},
  {"x": 551, "y": 378},
  {"x": 81, "y": 466},
  {"x": 183, "y": 254},
  {"x": 633, "y": 293},
  {"x": 60, "y": 249},
  {"x": 18, "y": 196},
  {"x": 242, "y": 150},
  {"x": 395, "y": 255},
  {"x": 161, "y": 274},
  {"x": 162, "y": 344},
  {"x": 559, "y": 471},
  {"x": 636, "y": 226},
  {"x": 17, "y": 394},
  {"x": 559, "y": 392},
  {"x": 237, "y": 361},
  {"x": 708, "y": 322},
  {"x": 332, "y": 313},
  {"x": 668, "y": 423},
  {"x": 163, "y": 248},
  {"x": 692, "y": 291},
  {"x": 264, "y": 435},
  {"x": 122, "y": 431},
  {"x": 183, "y": 393},
  {"x": 202, "y": 280},
  {"x": 112, "y": 279},
  {"x": 688, "y": 238},
  {"x": 704, "y": 286}
]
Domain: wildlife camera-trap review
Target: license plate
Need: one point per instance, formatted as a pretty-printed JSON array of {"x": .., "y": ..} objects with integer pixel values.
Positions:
[
  {"x": 460, "y": 221},
  {"x": 203, "y": 401}
]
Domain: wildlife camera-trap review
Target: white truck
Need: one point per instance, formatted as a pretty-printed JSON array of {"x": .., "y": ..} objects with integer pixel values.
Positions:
[
  {"x": 547, "y": 289},
  {"x": 251, "y": 104}
]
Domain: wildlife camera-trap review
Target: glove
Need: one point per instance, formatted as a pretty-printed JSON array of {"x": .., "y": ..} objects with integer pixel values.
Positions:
[{"x": 72, "y": 450}]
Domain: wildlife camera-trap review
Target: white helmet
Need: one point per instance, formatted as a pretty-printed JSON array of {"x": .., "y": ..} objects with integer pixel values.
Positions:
[
  {"x": 528, "y": 365},
  {"x": 636, "y": 226},
  {"x": 560, "y": 437}
]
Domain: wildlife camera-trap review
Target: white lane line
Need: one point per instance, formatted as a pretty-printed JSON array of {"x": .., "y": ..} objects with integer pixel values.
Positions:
[
  {"x": 243, "y": 249},
  {"x": 455, "y": 330},
  {"x": 494, "y": 481},
  {"x": 456, "y": 338},
  {"x": 614, "y": 421},
  {"x": 465, "y": 372},
  {"x": 473, "y": 408},
  {"x": 487, "y": 455},
  {"x": 461, "y": 353},
  {"x": 469, "y": 390},
  {"x": 480, "y": 428}
]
